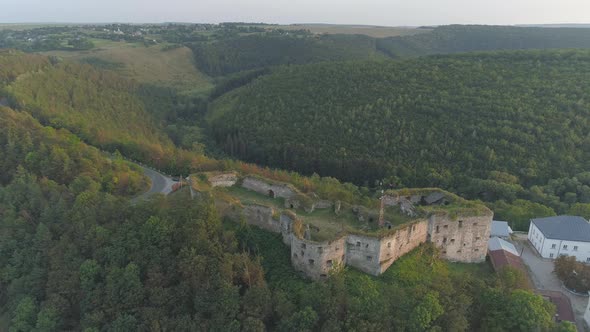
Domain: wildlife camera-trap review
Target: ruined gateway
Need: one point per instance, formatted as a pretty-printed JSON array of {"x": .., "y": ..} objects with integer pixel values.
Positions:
[{"x": 458, "y": 227}]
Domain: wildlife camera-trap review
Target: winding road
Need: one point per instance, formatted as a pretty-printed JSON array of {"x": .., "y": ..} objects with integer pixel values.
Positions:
[{"x": 161, "y": 184}]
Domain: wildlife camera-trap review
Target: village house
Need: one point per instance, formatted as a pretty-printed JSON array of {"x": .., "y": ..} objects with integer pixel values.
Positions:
[{"x": 561, "y": 235}]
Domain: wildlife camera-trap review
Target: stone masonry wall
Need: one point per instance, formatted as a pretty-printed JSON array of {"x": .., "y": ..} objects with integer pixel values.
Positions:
[
  {"x": 223, "y": 180},
  {"x": 362, "y": 252},
  {"x": 403, "y": 241},
  {"x": 462, "y": 240},
  {"x": 261, "y": 216},
  {"x": 316, "y": 259},
  {"x": 286, "y": 228},
  {"x": 262, "y": 187}
]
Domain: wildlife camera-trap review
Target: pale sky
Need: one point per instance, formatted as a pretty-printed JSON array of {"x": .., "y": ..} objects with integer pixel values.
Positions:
[{"x": 371, "y": 12}]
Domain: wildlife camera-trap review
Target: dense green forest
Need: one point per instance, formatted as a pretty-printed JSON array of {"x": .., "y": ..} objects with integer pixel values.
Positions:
[
  {"x": 75, "y": 254},
  {"x": 486, "y": 125},
  {"x": 105, "y": 109},
  {"x": 60, "y": 156},
  {"x": 468, "y": 38},
  {"x": 229, "y": 55},
  {"x": 510, "y": 128}
]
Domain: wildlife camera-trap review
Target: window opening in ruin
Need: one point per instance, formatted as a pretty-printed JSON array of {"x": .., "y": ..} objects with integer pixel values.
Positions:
[
  {"x": 271, "y": 194},
  {"x": 474, "y": 224},
  {"x": 458, "y": 251},
  {"x": 303, "y": 246},
  {"x": 388, "y": 226},
  {"x": 320, "y": 250},
  {"x": 337, "y": 248},
  {"x": 291, "y": 205},
  {"x": 460, "y": 223},
  {"x": 311, "y": 262},
  {"x": 446, "y": 226},
  {"x": 323, "y": 275},
  {"x": 366, "y": 245},
  {"x": 476, "y": 249},
  {"x": 295, "y": 255},
  {"x": 369, "y": 258},
  {"x": 358, "y": 243},
  {"x": 329, "y": 262},
  {"x": 452, "y": 240},
  {"x": 370, "y": 219},
  {"x": 302, "y": 253},
  {"x": 437, "y": 229},
  {"x": 388, "y": 244},
  {"x": 444, "y": 252},
  {"x": 477, "y": 238},
  {"x": 444, "y": 240},
  {"x": 413, "y": 227}
]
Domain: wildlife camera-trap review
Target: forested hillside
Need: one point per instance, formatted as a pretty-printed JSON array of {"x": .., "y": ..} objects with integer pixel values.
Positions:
[
  {"x": 101, "y": 107},
  {"x": 60, "y": 157},
  {"x": 486, "y": 125},
  {"x": 229, "y": 55},
  {"x": 77, "y": 255},
  {"x": 468, "y": 38}
]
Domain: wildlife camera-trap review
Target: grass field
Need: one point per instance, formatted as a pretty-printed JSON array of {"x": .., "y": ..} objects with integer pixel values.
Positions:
[
  {"x": 150, "y": 64},
  {"x": 372, "y": 31}
]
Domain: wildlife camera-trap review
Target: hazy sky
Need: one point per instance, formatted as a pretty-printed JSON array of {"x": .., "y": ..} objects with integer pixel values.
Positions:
[{"x": 377, "y": 12}]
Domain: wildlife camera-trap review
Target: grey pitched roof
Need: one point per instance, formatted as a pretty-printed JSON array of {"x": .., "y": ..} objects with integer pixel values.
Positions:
[
  {"x": 497, "y": 243},
  {"x": 500, "y": 228},
  {"x": 571, "y": 228}
]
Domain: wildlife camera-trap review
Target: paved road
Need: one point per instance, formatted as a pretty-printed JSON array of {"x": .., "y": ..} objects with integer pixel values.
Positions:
[
  {"x": 160, "y": 184},
  {"x": 542, "y": 274}
]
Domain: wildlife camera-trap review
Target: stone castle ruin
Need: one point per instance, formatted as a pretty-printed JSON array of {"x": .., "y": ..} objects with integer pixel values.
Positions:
[{"x": 459, "y": 228}]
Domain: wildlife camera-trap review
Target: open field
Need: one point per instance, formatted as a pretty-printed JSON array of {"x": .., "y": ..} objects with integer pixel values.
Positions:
[
  {"x": 26, "y": 26},
  {"x": 149, "y": 64},
  {"x": 369, "y": 30}
]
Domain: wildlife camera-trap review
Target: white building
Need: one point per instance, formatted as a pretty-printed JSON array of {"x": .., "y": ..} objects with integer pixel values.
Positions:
[{"x": 561, "y": 235}]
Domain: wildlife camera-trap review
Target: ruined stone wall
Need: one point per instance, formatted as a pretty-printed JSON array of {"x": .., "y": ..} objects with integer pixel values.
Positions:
[
  {"x": 316, "y": 259},
  {"x": 462, "y": 240},
  {"x": 261, "y": 216},
  {"x": 323, "y": 204},
  {"x": 223, "y": 180},
  {"x": 263, "y": 187},
  {"x": 362, "y": 252},
  {"x": 286, "y": 223},
  {"x": 401, "y": 242}
]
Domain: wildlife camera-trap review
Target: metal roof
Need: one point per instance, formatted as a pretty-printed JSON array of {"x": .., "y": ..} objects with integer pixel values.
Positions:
[
  {"x": 497, "y": 243},
  {"x": 500, "y": 228},
  {"x": 570, "y": 228}
]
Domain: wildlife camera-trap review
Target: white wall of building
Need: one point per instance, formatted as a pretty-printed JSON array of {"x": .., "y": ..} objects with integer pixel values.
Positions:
[{"x": 550, "y": 248}]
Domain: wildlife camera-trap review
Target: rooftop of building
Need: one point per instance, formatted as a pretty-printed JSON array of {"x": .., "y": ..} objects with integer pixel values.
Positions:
[
  {"x": 497, "y": 243},
  {"x": 500, "y": 228},
  {"x": 569, "y": 228}
]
